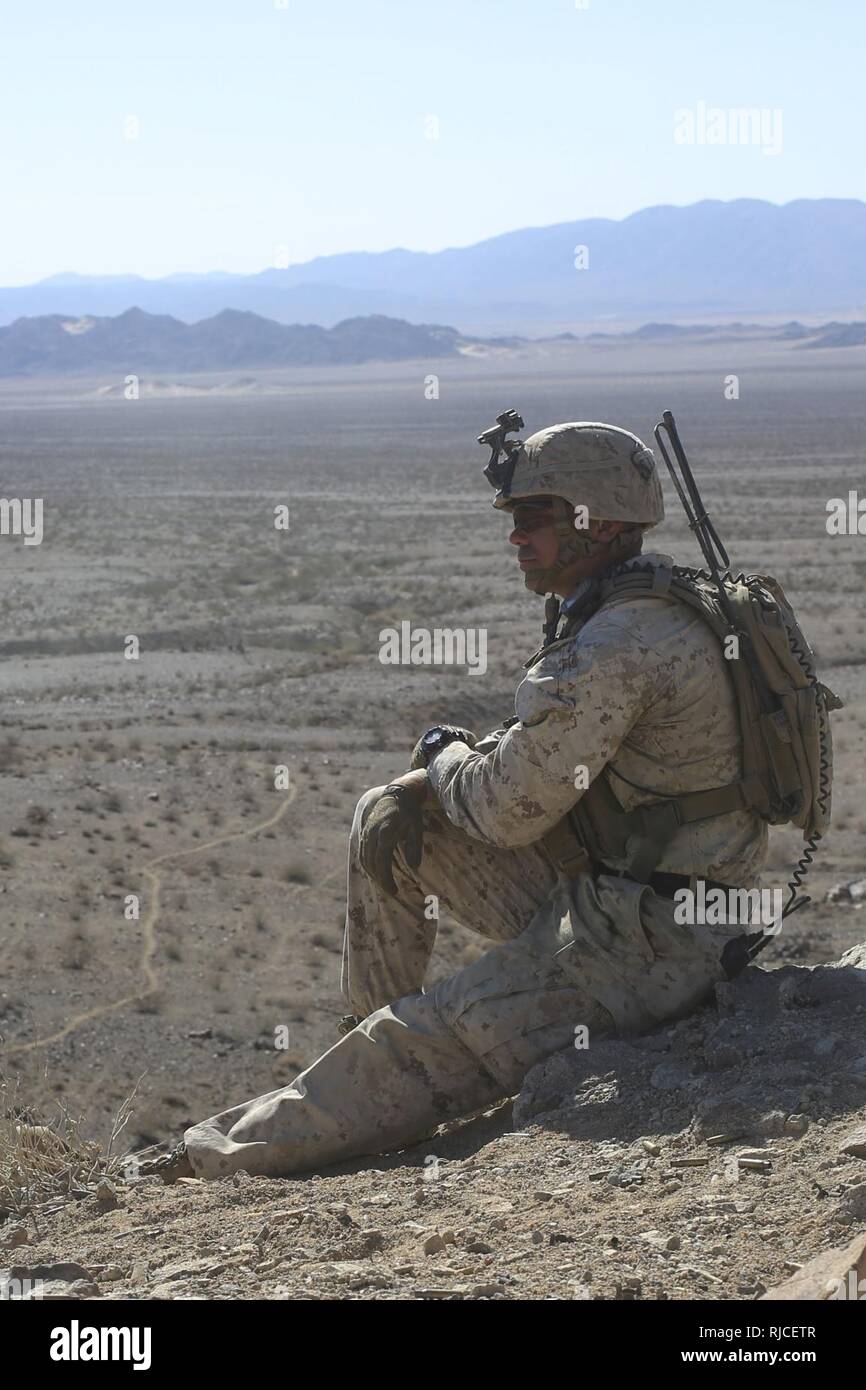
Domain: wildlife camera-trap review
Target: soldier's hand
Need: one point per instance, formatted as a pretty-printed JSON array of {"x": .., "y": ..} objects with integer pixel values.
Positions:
[
  {"x": 394, "y": 822},
  {"x": 466, "y": 736}
]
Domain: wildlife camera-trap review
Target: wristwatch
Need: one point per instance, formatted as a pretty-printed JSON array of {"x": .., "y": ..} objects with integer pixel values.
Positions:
[{"x": 438, "y": 738}]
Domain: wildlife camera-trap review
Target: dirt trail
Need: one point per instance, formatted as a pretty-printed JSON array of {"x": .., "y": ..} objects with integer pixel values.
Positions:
[{"x": 154, "y": 876}]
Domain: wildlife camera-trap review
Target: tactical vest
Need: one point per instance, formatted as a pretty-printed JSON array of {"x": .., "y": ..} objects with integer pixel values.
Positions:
[{"x": 786, "y": 746}]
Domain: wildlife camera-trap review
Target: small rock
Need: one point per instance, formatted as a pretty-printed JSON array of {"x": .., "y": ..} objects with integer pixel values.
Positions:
[
  {"x": 651, "y": 1147},
  {"x": 628, "y": 1290},
  {"x": 854, "y": 1143},
  {"x": 632, "y": 1177},
  {"x": 15, "y": 1236},
  {"x": 434, "y": 1244},
  {"x": 66, "y": 1271},
  {"x": 106, "y": 1194},
  {"x": 853, "y": 1202},
  {"x": 655, "y": 1238},
  {"x": 153, "y": 796},
  {"x": 189, "y": 1269},
  {"x": 796, "y": 1124},
  {"x": 852, "y": 892},
  {"x": 371, "y": 1280},
  {"x": 56, "y": 1290}
]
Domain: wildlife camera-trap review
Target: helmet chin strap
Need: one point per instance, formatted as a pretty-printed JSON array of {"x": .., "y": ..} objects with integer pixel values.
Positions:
[{"x": 551, "y": 618}]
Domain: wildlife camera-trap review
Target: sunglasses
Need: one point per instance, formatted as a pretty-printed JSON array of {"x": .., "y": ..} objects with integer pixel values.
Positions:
[{"x": 531, "y": 516}]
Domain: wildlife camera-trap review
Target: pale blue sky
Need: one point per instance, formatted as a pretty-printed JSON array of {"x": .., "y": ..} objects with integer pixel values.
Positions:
[{"x": 304, "y": 126}]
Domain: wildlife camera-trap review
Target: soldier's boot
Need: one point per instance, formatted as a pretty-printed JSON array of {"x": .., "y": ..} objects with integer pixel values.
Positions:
[{"x": 170, "y": 1166}]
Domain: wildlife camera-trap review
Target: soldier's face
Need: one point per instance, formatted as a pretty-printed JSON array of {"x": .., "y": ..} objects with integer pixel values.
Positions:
[
  {"x": 535, "y": 536},
  {"x": 538, "y": 546}
]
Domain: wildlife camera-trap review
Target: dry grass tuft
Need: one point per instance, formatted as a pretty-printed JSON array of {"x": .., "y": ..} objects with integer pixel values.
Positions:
[{"x": 46, "y": 1160}]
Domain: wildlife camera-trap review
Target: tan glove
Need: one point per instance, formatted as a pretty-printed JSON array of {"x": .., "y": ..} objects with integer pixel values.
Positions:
[{"x": 394, "y": 822}]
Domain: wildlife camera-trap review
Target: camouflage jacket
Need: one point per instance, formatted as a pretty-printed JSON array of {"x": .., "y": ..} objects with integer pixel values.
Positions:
[{"x": 637, "y": 694}]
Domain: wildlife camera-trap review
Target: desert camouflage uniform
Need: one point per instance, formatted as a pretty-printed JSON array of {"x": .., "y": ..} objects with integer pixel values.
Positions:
[{"x": 640, "y": 688}]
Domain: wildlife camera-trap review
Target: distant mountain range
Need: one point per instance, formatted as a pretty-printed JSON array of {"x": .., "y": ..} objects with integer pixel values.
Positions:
[
  {"x": 137, "y": 342},
  {"x": 711, "y": 258}
]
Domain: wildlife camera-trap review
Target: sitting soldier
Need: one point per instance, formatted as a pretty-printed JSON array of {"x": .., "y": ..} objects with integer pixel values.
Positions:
[{"x": 533, "y": 836}]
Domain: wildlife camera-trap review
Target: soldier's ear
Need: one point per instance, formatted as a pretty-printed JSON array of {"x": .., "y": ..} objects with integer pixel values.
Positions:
[{"x": 604, "y": 531}]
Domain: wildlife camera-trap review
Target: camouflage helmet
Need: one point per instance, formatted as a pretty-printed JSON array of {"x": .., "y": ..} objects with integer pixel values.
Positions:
[{"x": 601, "y": 467}]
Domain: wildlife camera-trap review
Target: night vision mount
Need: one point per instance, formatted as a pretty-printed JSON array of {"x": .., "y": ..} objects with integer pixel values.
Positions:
[{"x": 499, "y": 470}]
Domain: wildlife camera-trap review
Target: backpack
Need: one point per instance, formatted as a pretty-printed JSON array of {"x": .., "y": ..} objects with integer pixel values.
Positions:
[
  {"x": 787, "y": 749},
  {"x": 783, "y": 711}
]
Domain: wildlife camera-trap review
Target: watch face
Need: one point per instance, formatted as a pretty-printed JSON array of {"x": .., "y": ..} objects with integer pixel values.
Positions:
[{"x": 433, "y": 740}]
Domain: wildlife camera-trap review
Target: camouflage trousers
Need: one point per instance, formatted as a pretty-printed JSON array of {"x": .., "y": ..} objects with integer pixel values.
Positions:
[{"x": 601, "y": 954}]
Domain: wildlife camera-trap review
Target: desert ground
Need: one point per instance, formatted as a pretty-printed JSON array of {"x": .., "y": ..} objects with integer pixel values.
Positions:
[{"x": 259, "y": 648}]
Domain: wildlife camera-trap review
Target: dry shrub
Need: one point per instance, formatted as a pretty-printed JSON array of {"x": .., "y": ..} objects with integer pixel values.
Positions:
[
  {"x": 76, "y": 949},
  {"x": 45, "y": 1158}
]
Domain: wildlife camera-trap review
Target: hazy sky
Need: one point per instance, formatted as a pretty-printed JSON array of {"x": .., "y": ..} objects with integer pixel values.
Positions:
[{"x": 304, "y": 125}]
